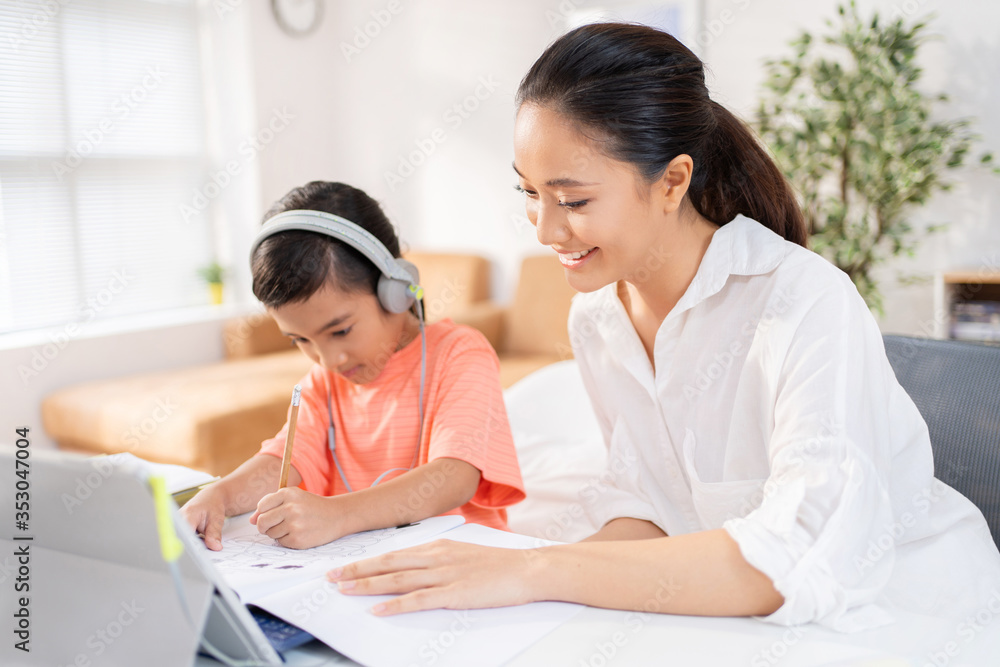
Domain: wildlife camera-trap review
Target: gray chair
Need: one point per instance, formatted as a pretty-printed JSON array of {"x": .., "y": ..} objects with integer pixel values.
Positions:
[{"x": 956, "y": 387}]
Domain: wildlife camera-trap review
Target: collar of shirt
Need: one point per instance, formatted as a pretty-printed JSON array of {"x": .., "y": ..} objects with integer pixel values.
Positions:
[{"x": 742, "y": 247}]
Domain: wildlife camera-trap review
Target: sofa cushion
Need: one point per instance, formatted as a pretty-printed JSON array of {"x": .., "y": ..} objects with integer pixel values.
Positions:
[
  {"x": 451, "y": 282},
  {"x": 210, "y": 417},
  {"x": 536, "y": 321}
]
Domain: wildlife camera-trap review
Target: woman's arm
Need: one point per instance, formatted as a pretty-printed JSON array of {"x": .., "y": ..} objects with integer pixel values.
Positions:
[
  {"x": 626, "y": 529},
  {"x": 698, "y": 574},
  {"x": 299, "y": 519}
]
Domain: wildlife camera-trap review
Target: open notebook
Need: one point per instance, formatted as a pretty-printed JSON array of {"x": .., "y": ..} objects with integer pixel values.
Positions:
[{"x": 291, "y": 585}]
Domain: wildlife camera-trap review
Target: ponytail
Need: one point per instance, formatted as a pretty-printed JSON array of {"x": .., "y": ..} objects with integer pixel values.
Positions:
[
  {"x": 739, "y": 177},
  {"x": 643, "y": 93}
]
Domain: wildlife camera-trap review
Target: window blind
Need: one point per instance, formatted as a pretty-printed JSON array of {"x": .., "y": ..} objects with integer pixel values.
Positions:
[{"x": 102, "y": 140}]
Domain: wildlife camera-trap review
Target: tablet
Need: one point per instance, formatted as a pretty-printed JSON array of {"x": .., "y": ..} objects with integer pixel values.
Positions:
[{"x": 96, "y": 588}]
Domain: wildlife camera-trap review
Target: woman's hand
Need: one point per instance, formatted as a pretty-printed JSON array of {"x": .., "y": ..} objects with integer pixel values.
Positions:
[
  {"x": 298, "y": 519},
  {"x": 444, "y": 575},
  {"x": 701, "y": 574}
]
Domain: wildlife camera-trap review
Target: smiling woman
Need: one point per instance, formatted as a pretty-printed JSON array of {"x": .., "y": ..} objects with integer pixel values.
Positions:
[{"x": 758, "y": 441}]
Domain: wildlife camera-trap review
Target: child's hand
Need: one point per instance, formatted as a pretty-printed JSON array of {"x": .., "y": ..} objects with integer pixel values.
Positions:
[
  {"x": 298, "y": 519},
  {"x": 206, "y": 513}
]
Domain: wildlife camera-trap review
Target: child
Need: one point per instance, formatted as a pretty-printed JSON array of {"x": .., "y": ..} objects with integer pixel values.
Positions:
[{"x": 418, "y": 421}]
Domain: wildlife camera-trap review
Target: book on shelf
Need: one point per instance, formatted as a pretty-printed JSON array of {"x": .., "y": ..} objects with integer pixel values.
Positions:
[{"x": 975, "y": 321}]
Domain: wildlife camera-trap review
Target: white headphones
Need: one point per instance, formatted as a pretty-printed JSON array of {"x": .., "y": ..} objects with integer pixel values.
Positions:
[
  {"x": 398, "y": 291},
  {"x": 398, "y": 286}
]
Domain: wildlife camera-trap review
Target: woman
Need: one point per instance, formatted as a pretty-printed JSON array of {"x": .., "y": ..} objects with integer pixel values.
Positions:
[{"x": 741, "y": 382}]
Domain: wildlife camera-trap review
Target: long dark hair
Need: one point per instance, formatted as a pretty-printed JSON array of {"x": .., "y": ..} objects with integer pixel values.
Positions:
[
  {"x": 643, "y": 93},
  {"x": 291, "y": 266}
]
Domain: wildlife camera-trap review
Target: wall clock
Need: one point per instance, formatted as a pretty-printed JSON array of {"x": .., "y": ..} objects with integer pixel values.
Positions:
[{"x": 297, "y": 17}]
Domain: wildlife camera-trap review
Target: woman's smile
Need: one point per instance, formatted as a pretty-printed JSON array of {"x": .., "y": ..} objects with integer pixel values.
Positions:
[{"x": 574, "y": 260}]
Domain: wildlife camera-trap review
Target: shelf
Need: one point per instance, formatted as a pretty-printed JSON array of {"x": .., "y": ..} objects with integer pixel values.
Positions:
[
  {"x": 967, "y": 287},
  {"x": 972, "y": 277}
]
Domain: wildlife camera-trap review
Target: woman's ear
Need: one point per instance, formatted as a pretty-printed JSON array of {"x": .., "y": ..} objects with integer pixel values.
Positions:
[{"x": 675, "y": 181}]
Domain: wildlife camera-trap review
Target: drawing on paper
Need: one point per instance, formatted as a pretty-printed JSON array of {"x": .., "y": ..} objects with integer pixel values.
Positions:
[{"x": 254, "y": 551}]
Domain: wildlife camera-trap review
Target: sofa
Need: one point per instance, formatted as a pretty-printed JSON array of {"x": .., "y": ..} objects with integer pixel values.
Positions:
[
  {"x": 213, "y": 417},
  {"x": 956, "y": 387}
]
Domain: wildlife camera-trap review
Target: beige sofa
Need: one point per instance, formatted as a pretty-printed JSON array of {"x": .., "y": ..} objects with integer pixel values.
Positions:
[
  {"x": 531, "y": 331},
  {"x": 213, "y": 417}
]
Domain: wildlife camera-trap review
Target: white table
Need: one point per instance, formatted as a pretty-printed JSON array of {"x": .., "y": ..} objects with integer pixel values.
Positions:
[{"x": 606, "y": 638}]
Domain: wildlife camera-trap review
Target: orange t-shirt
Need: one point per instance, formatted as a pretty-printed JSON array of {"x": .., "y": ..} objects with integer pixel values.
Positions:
[{"x": 376, "y": 424}]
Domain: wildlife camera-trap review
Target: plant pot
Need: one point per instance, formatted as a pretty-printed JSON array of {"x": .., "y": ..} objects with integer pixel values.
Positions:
[{"x": 215, "y": 289}]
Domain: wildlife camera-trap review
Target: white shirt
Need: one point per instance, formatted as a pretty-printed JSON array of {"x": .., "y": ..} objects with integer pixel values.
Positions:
[{"x": 773, "y": 413}]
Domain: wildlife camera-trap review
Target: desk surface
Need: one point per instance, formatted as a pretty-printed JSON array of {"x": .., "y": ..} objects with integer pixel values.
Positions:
[{"x": 602, "y": 638}]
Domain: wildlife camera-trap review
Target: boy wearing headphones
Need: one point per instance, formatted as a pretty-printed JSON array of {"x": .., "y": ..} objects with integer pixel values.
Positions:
[{"x": 397, "y": 422}]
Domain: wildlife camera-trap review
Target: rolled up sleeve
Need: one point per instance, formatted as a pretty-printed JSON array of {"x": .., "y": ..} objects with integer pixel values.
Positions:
[{"x": 826, "y": 502}]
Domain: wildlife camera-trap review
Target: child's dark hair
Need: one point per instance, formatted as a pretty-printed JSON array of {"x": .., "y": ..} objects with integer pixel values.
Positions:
[
  {"x": 643, "y": 94},
  {"x": 293, "y": 265}
]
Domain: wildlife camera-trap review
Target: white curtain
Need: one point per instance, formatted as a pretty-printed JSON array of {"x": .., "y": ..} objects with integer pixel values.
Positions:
[{"x": 102, "y": 150}]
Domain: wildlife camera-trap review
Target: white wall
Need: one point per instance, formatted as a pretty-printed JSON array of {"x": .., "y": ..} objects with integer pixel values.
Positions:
[
  {"x": 356, "y": 118},
  {"x": 360, "y": 115}
]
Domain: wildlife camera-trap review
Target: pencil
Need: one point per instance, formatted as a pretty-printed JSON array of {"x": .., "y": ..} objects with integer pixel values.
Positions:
[{"x": 286, "y": 460}]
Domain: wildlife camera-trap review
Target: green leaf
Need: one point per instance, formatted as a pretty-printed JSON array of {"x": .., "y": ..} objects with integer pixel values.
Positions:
[{"x": 855, "y": 135}]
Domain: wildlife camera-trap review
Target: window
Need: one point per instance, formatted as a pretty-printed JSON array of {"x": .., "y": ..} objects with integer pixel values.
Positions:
[{"x": 102, "y": 144}]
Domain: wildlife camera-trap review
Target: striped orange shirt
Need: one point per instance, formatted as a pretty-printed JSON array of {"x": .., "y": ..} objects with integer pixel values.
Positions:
[{"x": 377, "y": 423}]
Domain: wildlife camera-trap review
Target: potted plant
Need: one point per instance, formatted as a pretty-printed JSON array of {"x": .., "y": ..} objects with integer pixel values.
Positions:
[
  {"x": 855, "y": 136},
  {"x": 213, "y": 274}
]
